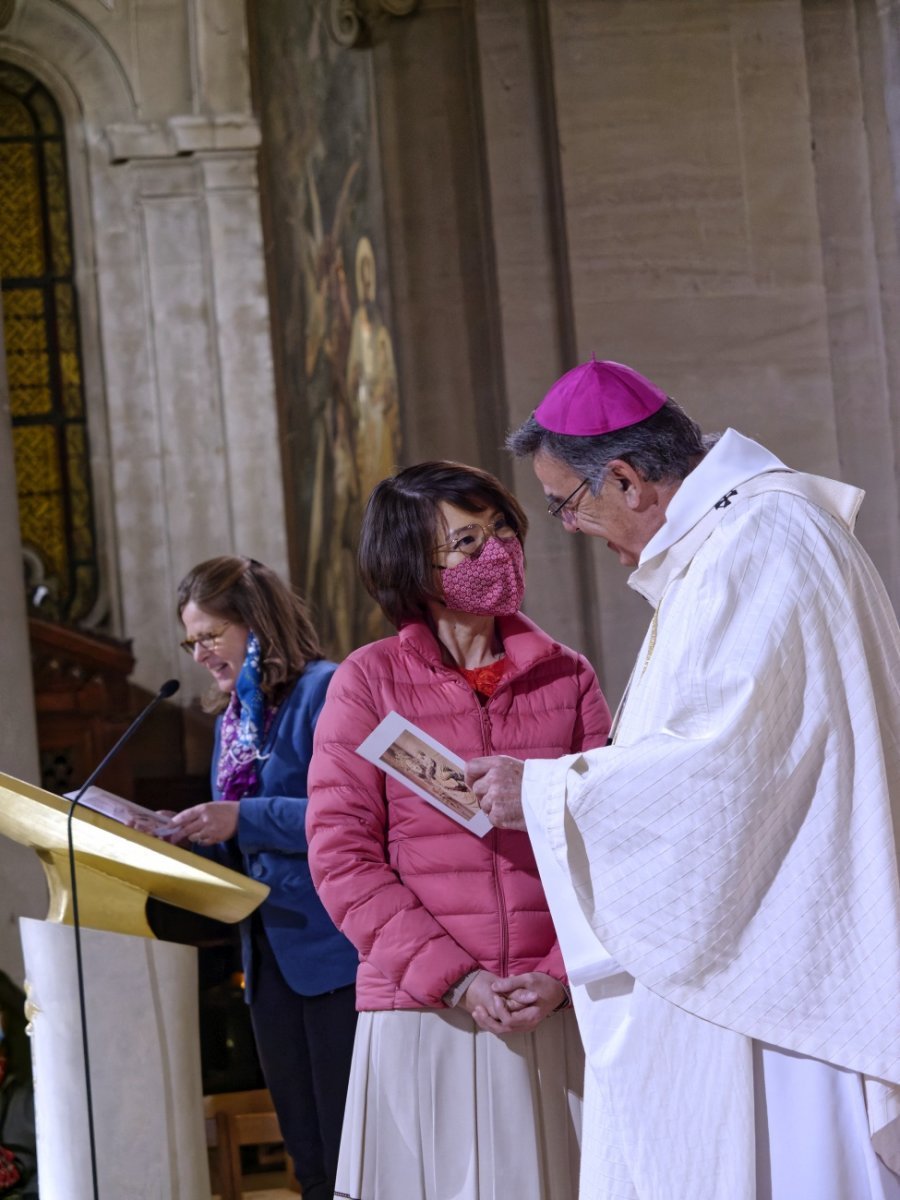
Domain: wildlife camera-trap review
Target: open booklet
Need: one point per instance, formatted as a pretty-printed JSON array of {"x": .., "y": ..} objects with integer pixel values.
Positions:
[
  {"x": 412, "y": 757},
  {"x": 135, "y": 816}
]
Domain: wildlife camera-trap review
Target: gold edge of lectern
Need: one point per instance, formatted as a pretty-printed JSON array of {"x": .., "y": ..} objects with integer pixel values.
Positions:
[
  {"x": 117, "y": 868},
  {"x": 104, "y": 902}
]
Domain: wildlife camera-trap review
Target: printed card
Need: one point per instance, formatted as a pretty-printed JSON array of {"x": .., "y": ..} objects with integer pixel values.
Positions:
[{"x": 412, "y": 757}]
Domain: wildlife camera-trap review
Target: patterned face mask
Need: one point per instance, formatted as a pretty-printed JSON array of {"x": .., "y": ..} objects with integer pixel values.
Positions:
[{"x": 492, "y": 584}]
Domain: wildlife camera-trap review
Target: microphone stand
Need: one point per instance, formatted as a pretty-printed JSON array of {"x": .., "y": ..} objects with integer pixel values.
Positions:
[{"x": 168, "y": 689}]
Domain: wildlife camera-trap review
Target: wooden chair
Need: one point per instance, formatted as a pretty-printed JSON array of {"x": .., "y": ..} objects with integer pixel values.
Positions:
[{"x": 235, "y": 1119}]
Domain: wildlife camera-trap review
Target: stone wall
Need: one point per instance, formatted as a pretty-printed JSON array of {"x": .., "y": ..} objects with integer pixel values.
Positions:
[
  {"x": 707, "y": 190},
  {"x": 704, "y": 190}
]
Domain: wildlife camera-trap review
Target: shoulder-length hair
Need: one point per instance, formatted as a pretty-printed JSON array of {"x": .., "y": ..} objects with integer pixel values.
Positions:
[
  {"x": 248, "y": 593},
  {"x": 403, "y": 524}
]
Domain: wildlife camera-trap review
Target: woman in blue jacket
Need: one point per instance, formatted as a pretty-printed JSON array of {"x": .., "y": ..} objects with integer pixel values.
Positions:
[{"x": 253, "y": 635}]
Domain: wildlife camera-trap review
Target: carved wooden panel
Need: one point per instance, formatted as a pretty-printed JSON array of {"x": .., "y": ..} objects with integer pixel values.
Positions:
[{"x": 82, "y": 703}]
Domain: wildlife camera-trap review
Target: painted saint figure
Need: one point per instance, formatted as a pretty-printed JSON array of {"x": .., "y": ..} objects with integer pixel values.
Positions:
[{"x": 372, "y": 379}]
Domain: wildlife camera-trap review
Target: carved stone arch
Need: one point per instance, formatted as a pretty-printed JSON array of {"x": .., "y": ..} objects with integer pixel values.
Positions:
[
  {"x": 79, "y": 69},
  {"x": 72, "y": 54}
]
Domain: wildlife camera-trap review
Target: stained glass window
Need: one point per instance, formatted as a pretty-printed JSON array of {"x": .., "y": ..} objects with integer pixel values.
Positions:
[{"x": 43, "y": 356}]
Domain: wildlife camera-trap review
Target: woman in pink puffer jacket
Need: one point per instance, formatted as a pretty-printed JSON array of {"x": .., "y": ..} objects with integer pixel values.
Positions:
[{"x": 467, "y": 1071}]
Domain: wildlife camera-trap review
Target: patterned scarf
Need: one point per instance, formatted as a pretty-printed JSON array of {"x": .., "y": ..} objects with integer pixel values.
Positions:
[{"x": 245, "y": 724}]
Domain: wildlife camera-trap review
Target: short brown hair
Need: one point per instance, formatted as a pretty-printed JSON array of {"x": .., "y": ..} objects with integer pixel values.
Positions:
[
  {"x": 249, "y": 593},
  {"x": 402, "y": 521}
]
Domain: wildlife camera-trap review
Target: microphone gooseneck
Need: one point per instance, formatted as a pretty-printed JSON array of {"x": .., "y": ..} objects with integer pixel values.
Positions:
[{"x": 169, "y": 688}]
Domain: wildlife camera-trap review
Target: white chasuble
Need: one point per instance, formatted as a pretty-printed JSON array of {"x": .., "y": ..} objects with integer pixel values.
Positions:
[{"x": 725, "y": 875}]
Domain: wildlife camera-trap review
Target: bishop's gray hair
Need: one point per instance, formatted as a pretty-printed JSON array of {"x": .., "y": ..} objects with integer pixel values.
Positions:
[{"x": 665, "y": 446}]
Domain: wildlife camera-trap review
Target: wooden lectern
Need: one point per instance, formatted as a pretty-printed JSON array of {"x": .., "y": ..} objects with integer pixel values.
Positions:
[{"x": 141, "y": 999}]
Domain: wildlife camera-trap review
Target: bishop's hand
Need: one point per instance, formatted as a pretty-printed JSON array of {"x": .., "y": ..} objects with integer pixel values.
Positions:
[{"x": 497, "y": 782}]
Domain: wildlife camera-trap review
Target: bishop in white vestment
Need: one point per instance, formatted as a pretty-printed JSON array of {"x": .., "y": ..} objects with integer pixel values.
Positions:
[{"x": 724, "y": 875}]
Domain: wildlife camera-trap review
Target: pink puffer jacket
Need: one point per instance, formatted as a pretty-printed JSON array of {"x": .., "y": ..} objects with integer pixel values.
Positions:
[{"x": 422, "y": 899}]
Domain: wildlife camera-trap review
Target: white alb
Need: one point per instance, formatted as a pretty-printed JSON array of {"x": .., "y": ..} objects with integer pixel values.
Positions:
[{"x": 724, "y": 877}]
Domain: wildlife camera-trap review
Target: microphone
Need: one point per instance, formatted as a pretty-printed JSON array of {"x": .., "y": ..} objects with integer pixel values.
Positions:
[{"x": 169, "y": 688}]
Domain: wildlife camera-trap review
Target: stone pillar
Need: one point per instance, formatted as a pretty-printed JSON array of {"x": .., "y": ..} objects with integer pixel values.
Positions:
[
  {"x": 443, "y": 278},
  {"x": 535, "y": 290},
  {"x": 193, "y": 423},
  {"x": 859, "y": 258},
  {"x": 23, "y": 892}
]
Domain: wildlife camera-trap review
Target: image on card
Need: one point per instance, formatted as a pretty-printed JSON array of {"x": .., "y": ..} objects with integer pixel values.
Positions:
[{"x": 427, "y": 768}]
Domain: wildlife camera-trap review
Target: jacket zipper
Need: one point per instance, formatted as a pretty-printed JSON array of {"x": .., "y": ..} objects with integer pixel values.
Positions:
[
  {"x": 494, "y": 835},
  {"x": 495, "y": 856}
]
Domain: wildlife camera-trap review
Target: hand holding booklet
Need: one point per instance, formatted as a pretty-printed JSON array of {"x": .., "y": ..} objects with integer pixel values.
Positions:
[
  {"x": 126, "y": 812},
  {"x": 415, "y": 759}
]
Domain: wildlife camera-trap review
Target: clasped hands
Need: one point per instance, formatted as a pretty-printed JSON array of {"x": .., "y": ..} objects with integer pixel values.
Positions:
[
  {"x": 519, "y": 1003},
  {"x": 513, "y": 1005}
]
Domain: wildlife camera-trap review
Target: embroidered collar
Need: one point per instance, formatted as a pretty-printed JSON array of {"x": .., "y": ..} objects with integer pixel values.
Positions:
[{"x": 734, "y": 468}]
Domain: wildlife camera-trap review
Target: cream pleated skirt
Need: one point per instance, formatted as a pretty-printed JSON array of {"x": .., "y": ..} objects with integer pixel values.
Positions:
[{"x": 438, "y": 1109}]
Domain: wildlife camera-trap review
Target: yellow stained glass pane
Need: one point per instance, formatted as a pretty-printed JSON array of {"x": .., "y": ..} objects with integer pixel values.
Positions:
[
  {"x": 73, "y": 404},
  {"x": 27, "y": 359},
  {"x": 15, "y": 80},
  {"x": 69, "y": 361},
  {"x": 66, "y": 337},
  {"x": 15, "y": 119},
  {"x": 41, "y": 514},
  {"x": 24, "y": 316},
  {"x": 79, "y": 495},
  {"x": 29, "y": 399},
  {"x": 21, "y": 244},
  {"x": 75, "y": 450},
  {"x": 78, "y": 488},
  {"x": 57, "y": 196},
  {"x": 42, "y": 343},
  {"x": 82, "y": 535},
  {"x": 41, "y": 525},
  {"x": 84, "y": 593},
  {"x": 37, "y": 460},
  {"x": 45, "y": 110}
]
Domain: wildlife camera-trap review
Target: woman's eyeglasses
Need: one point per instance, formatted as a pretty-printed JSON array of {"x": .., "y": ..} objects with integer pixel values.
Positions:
[
  {"x": 206, "y": 641},
  {"x": 471, "y": 538}
]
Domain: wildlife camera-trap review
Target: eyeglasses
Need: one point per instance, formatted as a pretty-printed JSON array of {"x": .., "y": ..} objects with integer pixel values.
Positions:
[
  {"x": 562, "y": 510},
  {"x": 470, "y": 539},
  {"x": 206, "y": 641}
]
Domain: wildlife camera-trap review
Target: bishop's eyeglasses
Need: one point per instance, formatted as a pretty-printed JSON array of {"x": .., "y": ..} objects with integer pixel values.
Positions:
[{"x": 563, "y": 508}]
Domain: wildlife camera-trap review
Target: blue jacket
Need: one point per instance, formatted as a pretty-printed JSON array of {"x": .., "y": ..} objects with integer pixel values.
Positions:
[{"x": 271, "y": 846}]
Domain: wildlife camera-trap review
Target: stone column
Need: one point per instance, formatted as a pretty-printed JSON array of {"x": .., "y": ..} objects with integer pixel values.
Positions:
[
  {"x": 535, "y": 287},
  {"x": 192, "y": 416},
  {"x": 23, "y": 892}
]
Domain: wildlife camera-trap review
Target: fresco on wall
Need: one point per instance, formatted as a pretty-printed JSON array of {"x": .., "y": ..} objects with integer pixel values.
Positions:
[{"x": 340, "y": 402}]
